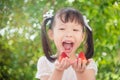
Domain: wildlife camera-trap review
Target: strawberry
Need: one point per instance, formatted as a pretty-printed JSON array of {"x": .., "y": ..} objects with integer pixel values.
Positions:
[
  {"x": 82, "y": 56},
  {"x": 63, "y": 55}
]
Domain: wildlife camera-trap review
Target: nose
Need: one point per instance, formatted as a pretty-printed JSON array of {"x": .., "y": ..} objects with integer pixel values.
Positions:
[{"x": 68, "y": 34}]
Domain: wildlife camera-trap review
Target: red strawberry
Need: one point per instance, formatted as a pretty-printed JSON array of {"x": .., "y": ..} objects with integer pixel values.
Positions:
[
  {"x": 82, "y": 56},
  {"x": 63, "y": 55}
]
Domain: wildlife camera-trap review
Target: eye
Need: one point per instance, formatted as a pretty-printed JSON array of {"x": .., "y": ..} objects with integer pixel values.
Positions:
[
  {"x": 61, "y": 28},
  {"x": 75, "y": 29}
]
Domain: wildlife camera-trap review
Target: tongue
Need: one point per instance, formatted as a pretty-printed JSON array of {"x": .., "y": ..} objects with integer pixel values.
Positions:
[{"x": 67, "y": 46}]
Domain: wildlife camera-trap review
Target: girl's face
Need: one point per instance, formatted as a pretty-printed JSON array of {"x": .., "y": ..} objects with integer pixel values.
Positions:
[{"x": 66, "y": 36}]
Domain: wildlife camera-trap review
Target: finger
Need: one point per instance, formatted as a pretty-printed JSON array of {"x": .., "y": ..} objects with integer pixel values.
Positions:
[
  {"x": 74, "y": 65},
  {"x": 67, "y": 62},
  {"x": 72, "y": 62},
  {"x": 79, "y": 63},
  {"x": 83, "y": 65},
  {"x": 57, "y": 65},
  {"x": 63, "y": 63}
]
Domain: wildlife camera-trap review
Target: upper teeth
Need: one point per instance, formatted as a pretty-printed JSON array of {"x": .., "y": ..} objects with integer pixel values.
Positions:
[{"x": 68, "y": 42}]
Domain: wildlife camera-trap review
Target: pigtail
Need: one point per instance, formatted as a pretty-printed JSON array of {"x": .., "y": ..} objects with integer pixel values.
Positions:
[
  {"x": 89, "y": 43},
  {"x": 45, "y": 40}
]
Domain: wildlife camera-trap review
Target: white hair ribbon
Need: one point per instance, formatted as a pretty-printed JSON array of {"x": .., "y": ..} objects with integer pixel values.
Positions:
[
  {"x": 86, "y": 23},
  {"x": 47, "y": 15}
]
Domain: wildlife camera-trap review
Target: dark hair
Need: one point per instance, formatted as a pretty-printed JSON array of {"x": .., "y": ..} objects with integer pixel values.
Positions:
[{"x": 66, "y": 15}]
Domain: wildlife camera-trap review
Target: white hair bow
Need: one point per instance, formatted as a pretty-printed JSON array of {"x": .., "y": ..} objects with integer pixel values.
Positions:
[
  {"x": 48, "y": 14},
  {"x": 86, "y": 23}
]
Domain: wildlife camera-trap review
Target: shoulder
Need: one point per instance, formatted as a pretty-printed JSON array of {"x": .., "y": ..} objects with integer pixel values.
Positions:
[
  {"x": 43, "y": 67},
  {"x": 42, "y": 60},
  {"x": 92, "y": 65}
]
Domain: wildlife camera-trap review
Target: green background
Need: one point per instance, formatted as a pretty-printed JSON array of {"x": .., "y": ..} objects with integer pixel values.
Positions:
[{"x": 20, "y": 45}]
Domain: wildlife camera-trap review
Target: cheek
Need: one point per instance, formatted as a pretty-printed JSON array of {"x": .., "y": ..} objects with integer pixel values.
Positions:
[
  {"x": 57, "y": 39},
  {"x": 79, "y": 40},
  {"x": 58, "y": 44},
  {"x": 57, "y": 35}
]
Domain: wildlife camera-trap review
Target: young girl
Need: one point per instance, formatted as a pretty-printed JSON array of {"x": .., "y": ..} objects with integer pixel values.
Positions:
[{"x": 68, "y": 29}]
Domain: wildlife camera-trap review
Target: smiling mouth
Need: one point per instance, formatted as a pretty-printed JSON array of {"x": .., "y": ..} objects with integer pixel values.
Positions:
[{"x": 68, "y": 46}]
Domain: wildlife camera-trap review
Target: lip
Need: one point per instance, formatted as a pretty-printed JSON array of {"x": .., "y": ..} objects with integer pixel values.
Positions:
[
  {"x": 68, "y": 41},
  {"x": 68, "y": 46}
]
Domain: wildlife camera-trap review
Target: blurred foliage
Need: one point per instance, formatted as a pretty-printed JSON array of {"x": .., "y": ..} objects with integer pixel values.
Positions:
[{"x": 20, "y": 45}]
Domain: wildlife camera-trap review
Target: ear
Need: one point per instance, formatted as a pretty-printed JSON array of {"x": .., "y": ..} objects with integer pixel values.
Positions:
[
  {"x": 50, "y": 34},
  {"x": 83, "y": 36}
]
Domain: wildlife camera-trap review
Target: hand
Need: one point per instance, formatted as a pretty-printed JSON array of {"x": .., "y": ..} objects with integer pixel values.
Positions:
[
  {"x": 79, "y": 65},
  {"x": 63, "y": 64}
]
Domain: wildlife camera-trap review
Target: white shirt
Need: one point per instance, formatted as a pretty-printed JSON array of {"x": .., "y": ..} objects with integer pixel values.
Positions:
[{"x": 45, "y": 67}]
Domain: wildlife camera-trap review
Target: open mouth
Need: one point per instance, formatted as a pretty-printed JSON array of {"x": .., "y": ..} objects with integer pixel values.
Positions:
[{"x": 68, "y": 46}]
